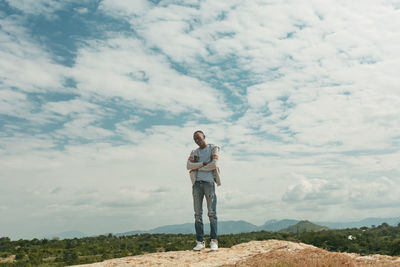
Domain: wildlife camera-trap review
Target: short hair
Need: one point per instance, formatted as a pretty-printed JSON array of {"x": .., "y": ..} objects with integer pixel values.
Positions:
[{"x": 199, "y": 131}]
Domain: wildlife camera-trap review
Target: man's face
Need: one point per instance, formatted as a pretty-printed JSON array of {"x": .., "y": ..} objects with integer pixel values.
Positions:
[{"x": 199, "y": 139}]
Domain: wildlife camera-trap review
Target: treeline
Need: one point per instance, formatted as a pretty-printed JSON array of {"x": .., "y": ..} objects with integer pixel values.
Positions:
[{"x": 383, "y": 239}]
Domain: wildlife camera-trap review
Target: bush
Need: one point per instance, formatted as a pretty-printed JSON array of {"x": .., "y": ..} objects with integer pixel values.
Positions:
[{"x": 70, "y": 256}]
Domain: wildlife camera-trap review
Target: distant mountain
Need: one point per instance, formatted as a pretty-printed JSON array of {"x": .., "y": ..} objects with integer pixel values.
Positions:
[
  {"x": 67, "y": 235},
  {"x": 235, "y": 227},
  {"x": 368, "y": 222},
  {"x": 304, "y": 226},
  {"x": 134, "y": 232},
  {"x": 275, "y": 226},
  {"x": 224, "y": 227},
  {"x": 186, "y": 228}
]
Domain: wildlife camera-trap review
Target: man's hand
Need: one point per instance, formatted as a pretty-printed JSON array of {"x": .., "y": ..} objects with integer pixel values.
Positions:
[
  {"x": 193, "y": 159},
  {"x": 205, "y": 163}
]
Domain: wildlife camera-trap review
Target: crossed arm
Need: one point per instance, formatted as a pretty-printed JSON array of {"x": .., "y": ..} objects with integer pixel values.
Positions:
[{"x": 206, "y": 166}]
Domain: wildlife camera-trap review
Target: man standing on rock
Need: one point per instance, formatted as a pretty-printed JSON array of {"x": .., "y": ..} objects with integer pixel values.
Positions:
[{"x": 204, "y": 172}]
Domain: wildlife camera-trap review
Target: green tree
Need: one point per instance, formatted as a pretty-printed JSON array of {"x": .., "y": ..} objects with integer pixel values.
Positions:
[
  {"x": 20, "y": 255},
  {"x": 70, "y": 256},
  {"x": 34, "y": 258},
  {"x": 395, "y": 247}
]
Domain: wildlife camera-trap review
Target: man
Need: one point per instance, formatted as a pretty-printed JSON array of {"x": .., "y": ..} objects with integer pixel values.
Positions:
[{"x": 204, "y": 172}]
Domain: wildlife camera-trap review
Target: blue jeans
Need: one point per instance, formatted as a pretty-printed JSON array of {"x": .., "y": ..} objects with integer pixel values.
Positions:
[{"x": 200, "y": 190}]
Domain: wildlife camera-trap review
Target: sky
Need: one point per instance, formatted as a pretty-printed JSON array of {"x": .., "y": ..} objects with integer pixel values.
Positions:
[{"x": 99, "y": 100}]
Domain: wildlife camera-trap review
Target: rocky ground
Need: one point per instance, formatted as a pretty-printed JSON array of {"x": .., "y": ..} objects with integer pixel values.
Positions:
[{"x": 254, "y": 253}]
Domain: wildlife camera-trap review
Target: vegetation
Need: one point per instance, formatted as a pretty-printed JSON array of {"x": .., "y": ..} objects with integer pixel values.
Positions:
[{"x": 383, "y": 239}]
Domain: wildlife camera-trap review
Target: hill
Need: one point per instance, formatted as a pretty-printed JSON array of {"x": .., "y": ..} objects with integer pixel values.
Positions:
[
  {"x": 254, "y": 253},
  {"x": 304, "y": 226}
]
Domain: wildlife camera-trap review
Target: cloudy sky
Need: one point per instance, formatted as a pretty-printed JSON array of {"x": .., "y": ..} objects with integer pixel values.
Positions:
[{"x": 99, "y": 100}]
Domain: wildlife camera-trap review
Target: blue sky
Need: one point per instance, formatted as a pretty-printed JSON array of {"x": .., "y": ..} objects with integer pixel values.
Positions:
[{"x": 99, "y": 100}]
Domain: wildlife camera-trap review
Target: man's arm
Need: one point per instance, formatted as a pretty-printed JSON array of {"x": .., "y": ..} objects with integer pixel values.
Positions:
[
  {"x": 213, "y": 164},
  {"x": 191, "y": 164},
  {"x": 210, "y": 166}
]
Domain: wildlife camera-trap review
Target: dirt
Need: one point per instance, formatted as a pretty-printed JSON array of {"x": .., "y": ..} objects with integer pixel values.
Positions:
[{"x": 10, "y": 258}]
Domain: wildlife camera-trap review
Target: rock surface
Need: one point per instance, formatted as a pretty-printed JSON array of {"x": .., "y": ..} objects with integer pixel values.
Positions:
[{"x": 254, "y": 253}]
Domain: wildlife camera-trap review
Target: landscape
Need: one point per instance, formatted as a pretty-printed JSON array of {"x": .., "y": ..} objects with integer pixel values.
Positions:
[
  {"x": 383, "y": 239},
  {"x": 273, "y": 253},
  {"x": 117, "y": 117}
]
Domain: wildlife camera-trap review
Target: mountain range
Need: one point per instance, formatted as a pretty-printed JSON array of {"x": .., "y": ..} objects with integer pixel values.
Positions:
[{"x": 235, "y": 227}]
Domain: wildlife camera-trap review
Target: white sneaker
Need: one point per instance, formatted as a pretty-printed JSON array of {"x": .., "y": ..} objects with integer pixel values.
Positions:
[
  {"x": 214, "y": 244},
  {"x": 199, "y": 246}
]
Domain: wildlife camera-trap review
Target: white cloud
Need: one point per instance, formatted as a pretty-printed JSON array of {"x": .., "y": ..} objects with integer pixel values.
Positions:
[
  {"x": 82, "y": 10},
  {"x": 368, "y": 194},
  {"x": 77, "y": 106},
  {"x": 38, "y": 7},
  {"x": 20, "y": 144},
  {"x": 81, "y": 119},
  {"x": 82, "y": 127},
  {"x": 122, "y": 67},
  {"x": 97, "y": 179},
  {"x": 331, "y": 97},
  {"x": 25, "y": 65},
  {"x": 313, "y": 55},
  {"x": 316, "y": 191},
  {"x": 14, "y": 103},
  {"x": 349, "y": 194},
  {"x": 120, "y": 8}
]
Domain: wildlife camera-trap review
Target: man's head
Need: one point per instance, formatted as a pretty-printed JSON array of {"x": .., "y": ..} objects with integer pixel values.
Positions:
[{"x": 200, "y": 138}]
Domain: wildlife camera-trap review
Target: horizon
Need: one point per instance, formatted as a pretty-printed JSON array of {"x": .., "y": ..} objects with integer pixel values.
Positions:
[
  {"x": 75, "y": 231},
  {"x": 100, "y": 99}
]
